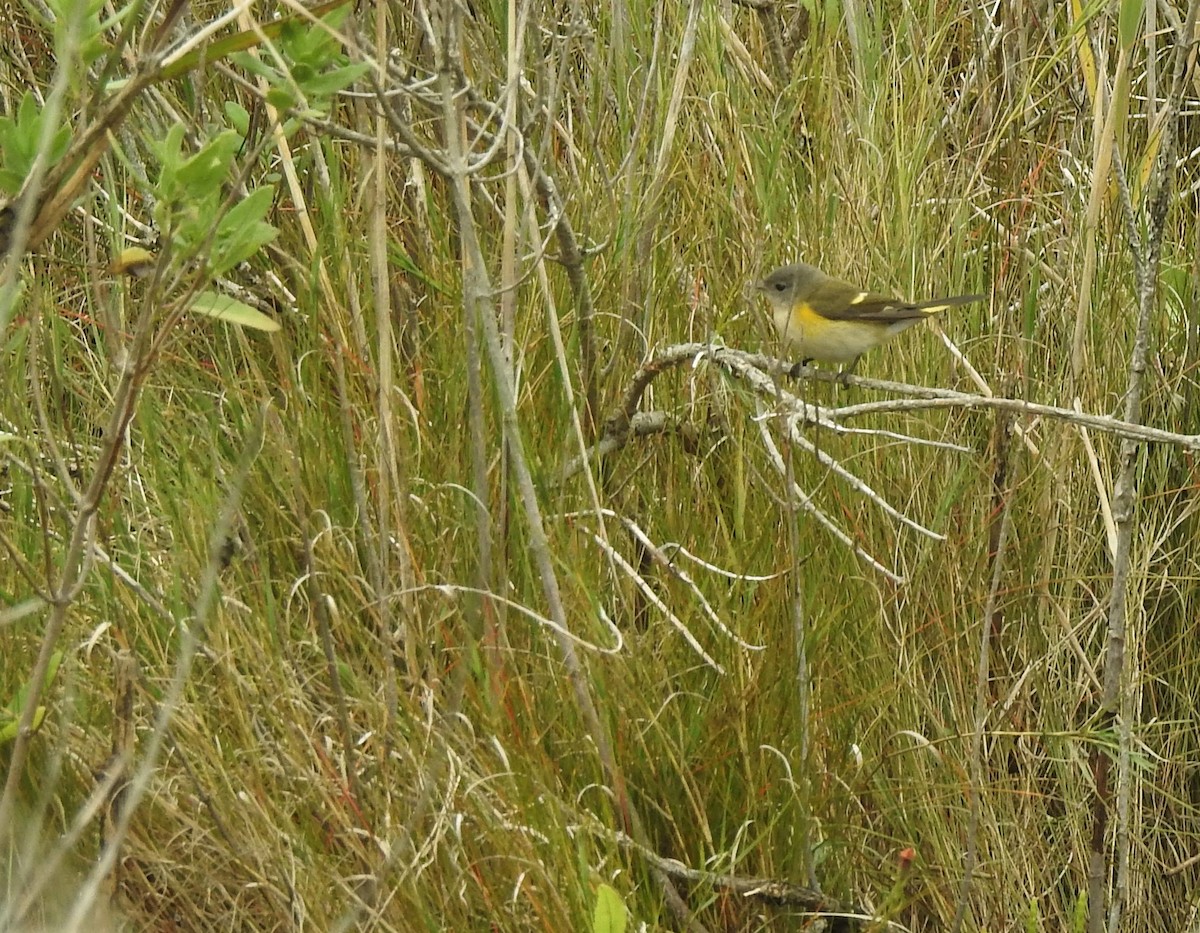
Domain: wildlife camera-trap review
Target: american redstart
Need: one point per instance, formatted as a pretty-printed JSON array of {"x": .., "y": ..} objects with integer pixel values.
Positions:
[{"x": 831, "y": 321}]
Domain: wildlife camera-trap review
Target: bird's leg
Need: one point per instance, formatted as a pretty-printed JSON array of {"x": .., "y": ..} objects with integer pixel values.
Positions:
[
  {"x": 847, "y": 372},
  {"x": 797, "y": 369}
]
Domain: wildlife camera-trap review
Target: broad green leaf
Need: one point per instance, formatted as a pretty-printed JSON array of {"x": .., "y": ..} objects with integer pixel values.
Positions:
[
  {"x": 1080, "y": 914},
  {"x": 77, "y": 28},
  {"x": 281, "y": 98},
  {"x": 310, "y": 61},
  {"x": 330, "y": 82},
  {"x": 236, "y": 312},
  {"x": 238, "y": 116},
  {"x": 610, "y": 911},
  {"x": 1129, "y": 22},
  {"x": 170, "y": 158},
  {"x": 311, "y": 45},
  {"x": 19, "y": 143},
  {"x": 242, "y": 231},
  {"x": 239, "y": 42},
  {"x": 255, "y": 65},
  {"x": 207, "y": 169},
  {"x": 1033, "y": 920}
]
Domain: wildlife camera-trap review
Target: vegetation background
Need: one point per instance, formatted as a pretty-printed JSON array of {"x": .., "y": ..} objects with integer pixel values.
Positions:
[{"x": 315, "y": 615}]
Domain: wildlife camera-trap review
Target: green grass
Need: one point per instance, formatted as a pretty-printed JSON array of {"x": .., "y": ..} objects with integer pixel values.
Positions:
[{"x": 360, "y": 739}]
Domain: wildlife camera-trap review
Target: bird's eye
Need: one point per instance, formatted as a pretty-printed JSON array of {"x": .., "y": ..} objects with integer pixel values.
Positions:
[{"x": 780, "y": 287}]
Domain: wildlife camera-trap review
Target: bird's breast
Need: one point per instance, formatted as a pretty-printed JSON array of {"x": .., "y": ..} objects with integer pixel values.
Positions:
[{"x": 828, "y": 341}]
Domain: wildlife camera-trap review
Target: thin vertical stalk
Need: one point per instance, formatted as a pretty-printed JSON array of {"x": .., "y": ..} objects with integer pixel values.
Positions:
[
  {"x": 205, "y": 606},
  {"x": 1105, "y": 108},
  {"x": 385, "y": 356},
  {"x": 1114, "y": 700},
  {"x": 477, "y": 292},
  {"x": 803, "y": 676},
  {"x": 988, "y": 627},
  {"x": 76, "y": 561}
]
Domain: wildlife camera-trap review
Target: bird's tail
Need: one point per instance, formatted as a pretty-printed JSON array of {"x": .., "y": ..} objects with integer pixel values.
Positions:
[{"x": 934, "y": 305}]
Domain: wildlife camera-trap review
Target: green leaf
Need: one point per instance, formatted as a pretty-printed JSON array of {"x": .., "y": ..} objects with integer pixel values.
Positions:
[
  {"x": 19, "y": 140},
  {"x": 10, "y": 715},
  {"x": 28, "y": 123},
  {"x": 17, "y": 703},
  {"x": 1033, "y": 921},
  {"x": 255, "y": 65},
  {"x": 204, "y": 172},
  {"x": 610, "y": 911},
  {"x": 226, "y": 47},
  {"x": 329, "y": 83},
  {"x": 82, "y": 18},
  {"x": 1129, "y": 22},
  {"x": 170, "y": 157},
  {"x": 281, "y": 98},
  {"x": 242, "y": 231},
  {"x": 309, "y": 44},
  {"x": 309, "y": 60},
  {"x": 8, "y": 726},
  {"x": 236, "y": 312},
  {"x": 238, "y": 116},
  {"x": 10, "y": 182},
  {"x": 1080, "y": 915}
]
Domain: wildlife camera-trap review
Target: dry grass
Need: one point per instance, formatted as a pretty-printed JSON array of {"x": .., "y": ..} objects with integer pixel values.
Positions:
[{"x": 394, "y": 672}]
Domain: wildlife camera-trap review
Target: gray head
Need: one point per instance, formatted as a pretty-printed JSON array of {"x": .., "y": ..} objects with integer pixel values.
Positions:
[{"x": 789, "y": 284}]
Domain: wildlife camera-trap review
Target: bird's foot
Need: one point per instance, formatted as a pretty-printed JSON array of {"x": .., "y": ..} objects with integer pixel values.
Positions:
[{"x": 843, "y": 377}]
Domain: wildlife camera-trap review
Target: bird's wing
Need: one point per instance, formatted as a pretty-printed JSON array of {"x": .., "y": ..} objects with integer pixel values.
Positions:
[
  {"x": 835, "y": 300},
  {"x": 840, "y": 301}
]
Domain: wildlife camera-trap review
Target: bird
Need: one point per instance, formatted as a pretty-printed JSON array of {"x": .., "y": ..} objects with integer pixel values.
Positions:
[{"x": 830, "y": 321}]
